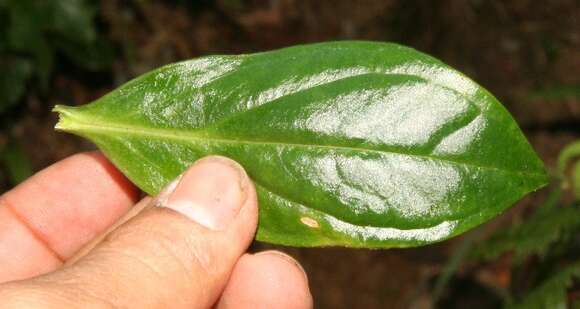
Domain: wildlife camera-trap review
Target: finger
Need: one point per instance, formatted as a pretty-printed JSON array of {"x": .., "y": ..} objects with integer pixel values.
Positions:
[
  {"x": 179, "y": 255},
  {"x": 269, "y": 279},
  {"x": 86, "y": 249},
  {"x": 50, "y": 216}
]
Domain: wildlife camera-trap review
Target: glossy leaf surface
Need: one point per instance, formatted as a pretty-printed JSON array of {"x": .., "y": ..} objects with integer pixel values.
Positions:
[{"x": 355, "y": 144}]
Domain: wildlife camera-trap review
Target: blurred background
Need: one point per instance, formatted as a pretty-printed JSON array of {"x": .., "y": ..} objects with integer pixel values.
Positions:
[{"x": 525, "y": 52}]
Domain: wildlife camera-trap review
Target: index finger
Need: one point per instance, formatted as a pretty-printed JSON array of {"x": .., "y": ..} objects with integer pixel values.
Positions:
[{"x": 50, "y": 216}]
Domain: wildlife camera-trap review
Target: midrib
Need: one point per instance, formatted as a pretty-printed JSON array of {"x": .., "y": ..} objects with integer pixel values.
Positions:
[{"x": 79, "y": 126}]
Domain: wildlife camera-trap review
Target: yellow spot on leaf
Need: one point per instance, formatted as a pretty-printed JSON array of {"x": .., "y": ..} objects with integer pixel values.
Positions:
[{"x": 310, "y": 222}]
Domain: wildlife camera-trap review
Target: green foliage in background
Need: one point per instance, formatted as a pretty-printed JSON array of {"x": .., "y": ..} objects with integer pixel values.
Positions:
[
  {"x": 544, "y": 247},
  {"x": 548, "y": 226},
  {"x": 16, "y": 166},
  {"x": 551, "y": 293},
  {"x": 34, "y": 33},
  {"x": 565, "y": 160},
  {"x": 557, "y": 93}
]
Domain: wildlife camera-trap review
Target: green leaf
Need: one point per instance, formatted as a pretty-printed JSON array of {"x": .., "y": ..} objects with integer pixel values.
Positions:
[
  {"x": 13, "y": 80},
  {"x": 97, "y": 56},
  {"x": 25, "y": 35},
  {"x": 74, "y": 20},
  {"x": 39, "y": 29},
  {"x": 355, "y": 144},
  {"x": 552, "y": 292},
  {"x": 16, "y": 163},
  {"x": 558, "y": 92},
  {"x": 576, "y": 180},
  {"x": 26, "y": 20},
  {"x": 567, "y": 154}
]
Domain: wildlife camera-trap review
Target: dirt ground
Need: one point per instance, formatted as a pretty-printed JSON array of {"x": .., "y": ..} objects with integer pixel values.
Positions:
[{"x": 516, "y": 49}]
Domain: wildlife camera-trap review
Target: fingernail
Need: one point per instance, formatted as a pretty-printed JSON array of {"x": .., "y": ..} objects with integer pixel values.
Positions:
[
  {"x": 285, "y": 257},
  {"x": 210, "y": 193}
]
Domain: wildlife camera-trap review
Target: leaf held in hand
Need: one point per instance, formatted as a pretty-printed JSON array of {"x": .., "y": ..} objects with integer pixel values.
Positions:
[{"x": 355, "y": 144}]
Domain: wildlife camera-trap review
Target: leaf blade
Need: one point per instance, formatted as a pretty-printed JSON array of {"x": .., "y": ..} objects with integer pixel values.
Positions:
[{"x": 343, "y": 128}]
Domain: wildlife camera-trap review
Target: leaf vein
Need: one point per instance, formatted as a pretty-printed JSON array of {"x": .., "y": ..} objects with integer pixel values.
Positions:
[{"x": 190, "y": 137}]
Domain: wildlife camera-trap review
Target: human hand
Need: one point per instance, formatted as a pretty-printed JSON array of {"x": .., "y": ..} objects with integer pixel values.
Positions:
[{"x": 189, "y": 252}]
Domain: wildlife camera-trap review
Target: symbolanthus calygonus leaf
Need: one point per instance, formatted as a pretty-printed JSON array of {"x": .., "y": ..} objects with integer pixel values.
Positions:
[{"x": 355, "y": 144}]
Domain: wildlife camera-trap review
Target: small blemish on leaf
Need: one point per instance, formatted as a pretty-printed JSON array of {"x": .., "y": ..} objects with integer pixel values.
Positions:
[{"x": 310, "y": 222}]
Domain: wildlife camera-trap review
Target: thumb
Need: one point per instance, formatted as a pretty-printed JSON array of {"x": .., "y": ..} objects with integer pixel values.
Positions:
[{"x": 177, "y": 253}]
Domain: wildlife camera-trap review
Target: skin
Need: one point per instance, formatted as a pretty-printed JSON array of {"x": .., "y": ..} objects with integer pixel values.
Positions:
[{"x": 75, "y": 235}]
